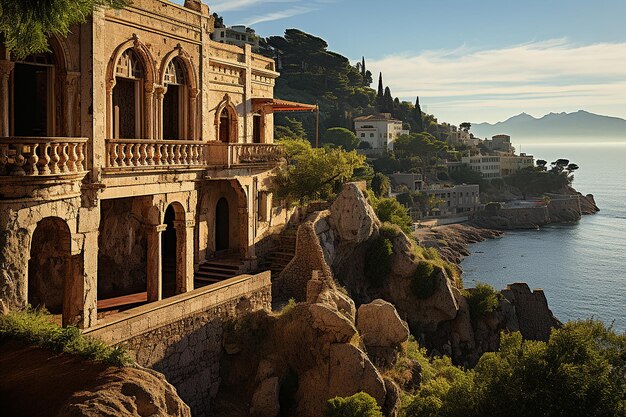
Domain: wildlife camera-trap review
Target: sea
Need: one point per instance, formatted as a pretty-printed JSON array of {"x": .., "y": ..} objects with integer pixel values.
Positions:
[{"x": 581, "y": 266}]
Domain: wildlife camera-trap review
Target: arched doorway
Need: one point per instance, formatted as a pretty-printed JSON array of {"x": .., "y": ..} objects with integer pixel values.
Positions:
[
  {"x": 225, "y": 126},
  {"x": 174, "y": 102},
  {"x": 128, "y": 96},
  {"x": 222, "y": 225},
  {"x": 32, "y": 96},
  {"x": 49, "y": 266},
  {"x": 169, "y": 254}
]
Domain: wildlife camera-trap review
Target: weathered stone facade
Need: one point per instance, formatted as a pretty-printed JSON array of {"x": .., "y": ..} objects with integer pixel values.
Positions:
[{"x": 144, "y": 143}]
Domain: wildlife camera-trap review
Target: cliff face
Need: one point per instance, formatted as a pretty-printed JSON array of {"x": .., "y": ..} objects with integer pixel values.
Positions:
[
  {"x": 37, "y": 382},
  {"x": 442, "y": 320}
]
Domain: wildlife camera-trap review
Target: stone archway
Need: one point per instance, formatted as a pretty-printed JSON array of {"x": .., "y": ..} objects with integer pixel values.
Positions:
[
  {"x": 174, "y": 251},
  {"x": 50, "y": 266}
]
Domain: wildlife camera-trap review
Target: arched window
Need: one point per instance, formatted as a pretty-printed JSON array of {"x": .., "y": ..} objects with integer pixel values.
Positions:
[
  {"x": 127, "y": 96},
  {"x": 32, "y": 96},
  {"x": 175, "y": 108},
  {"x": 225, "y": 126}
]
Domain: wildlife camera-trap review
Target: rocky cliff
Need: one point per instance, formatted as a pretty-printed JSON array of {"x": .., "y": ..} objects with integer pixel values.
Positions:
[
  {"x": 293, "y": 361},
  {"x": 341, "y": 241}
]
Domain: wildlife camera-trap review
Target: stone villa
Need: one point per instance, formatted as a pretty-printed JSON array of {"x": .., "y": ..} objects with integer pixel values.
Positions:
[{"x": 132, "y": 153}]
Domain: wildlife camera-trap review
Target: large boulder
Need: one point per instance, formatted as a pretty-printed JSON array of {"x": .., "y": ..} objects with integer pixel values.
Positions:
[
  {"x": 128, "y": 392},
  {"x": 380, "y": 325},
  {"x": 265, "y": 401},
  {"x": 352, "y": 218},
  {"x": 535, "y": 319},
  {"x": 351, "y": 371},
  {"x": 331, "y": 323}
]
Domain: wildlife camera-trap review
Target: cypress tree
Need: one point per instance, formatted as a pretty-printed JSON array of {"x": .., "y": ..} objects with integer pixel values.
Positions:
[
  {"x": 419, "y": 120},
  {"x": 387, "y": 101},
  {"x": 380, "y": 86}
]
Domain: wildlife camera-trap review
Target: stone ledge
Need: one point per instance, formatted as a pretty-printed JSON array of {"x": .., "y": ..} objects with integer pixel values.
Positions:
[{"x": 137, "y": 321}]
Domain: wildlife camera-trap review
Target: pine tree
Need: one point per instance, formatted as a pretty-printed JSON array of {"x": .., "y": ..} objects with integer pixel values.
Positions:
[
  {"x": 27, "y": 24},
  {"x": 419, "y": 120}
]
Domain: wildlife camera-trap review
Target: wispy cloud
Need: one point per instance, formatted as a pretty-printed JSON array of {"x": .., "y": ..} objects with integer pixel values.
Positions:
[
  {"x": 230, "y": 5},
  {"x": 280, "y": 14},
  {"x": 533, "y": 76}
]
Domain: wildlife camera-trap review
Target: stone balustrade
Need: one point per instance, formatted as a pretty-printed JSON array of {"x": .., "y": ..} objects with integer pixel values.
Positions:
[
  {"x": 41, "y": 156},
  {"x": 241, "y": 154},
  {"x": 144, "y": 154},
  {"x": 255, "y": 153}
]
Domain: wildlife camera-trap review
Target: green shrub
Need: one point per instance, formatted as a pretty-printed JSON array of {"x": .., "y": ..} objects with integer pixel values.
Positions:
[
  {"x": 378, "y": 261},
  {"x": 36, "y": 327},
  {"x": 424, "y": 281},
  {"x": 288, "y": 308},
  {"x": 358, "y": 405},
  {"x": 390, "y": 230},
  {"x": 481, "y": 300}
]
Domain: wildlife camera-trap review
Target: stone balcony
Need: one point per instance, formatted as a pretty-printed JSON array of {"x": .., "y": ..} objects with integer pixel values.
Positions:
[
  {"x": 41, "y": 168},
  {"x": 154, "y": 155}
]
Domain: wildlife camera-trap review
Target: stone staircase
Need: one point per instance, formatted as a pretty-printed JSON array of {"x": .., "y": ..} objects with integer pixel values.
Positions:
[
  {"x": 216, "y": 270},
  {"x": 277, "y": 260}
]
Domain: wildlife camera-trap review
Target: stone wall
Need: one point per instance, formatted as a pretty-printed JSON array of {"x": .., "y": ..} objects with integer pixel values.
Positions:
[
  {"x": 182, "y": 336},
  {"x": 122, "y": 249}
]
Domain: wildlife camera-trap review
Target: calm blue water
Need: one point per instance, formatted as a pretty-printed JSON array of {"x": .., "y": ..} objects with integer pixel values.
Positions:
[{"x": 582, "y": 266}]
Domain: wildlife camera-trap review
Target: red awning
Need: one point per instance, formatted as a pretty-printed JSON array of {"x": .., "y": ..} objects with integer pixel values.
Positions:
[{"x": 277, "y": 105}]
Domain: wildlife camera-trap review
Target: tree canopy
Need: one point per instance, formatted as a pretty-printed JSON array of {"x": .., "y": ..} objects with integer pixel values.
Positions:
[
  {"x": 313, "y": 173},
  {"x": 340, "y": 136},
  {"x": 580, "y": 371},
  {"x": 27, "y": 24}
]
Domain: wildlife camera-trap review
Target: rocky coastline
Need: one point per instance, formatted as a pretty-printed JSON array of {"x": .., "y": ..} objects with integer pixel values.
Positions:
[{"x": 566, "y": 206}]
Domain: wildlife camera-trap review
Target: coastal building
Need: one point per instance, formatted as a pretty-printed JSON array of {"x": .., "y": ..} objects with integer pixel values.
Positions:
[
  {"x": 379, "y": 131},
  {"x": 133, "y": 153},
  {"x": 412, "y": 182},
  {"x": 457, "y": 199},
  {"x": 239, "y": 35},
  {"x": 500, "y": 144},
  {"x": 487, "y": 165},
  {"x": 455, "y": 136},
  {"x": 511, "y": 163}
]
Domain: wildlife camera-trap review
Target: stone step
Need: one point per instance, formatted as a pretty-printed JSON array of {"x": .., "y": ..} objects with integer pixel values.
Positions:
[{"x": 217, "y": 267}]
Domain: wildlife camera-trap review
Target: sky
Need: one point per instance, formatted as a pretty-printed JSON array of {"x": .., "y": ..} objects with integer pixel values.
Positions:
[{"x": 468, "y": 60}]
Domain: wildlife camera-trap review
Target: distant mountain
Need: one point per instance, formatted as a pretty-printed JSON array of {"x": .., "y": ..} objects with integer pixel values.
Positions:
[{"x": 575, "y": 126}]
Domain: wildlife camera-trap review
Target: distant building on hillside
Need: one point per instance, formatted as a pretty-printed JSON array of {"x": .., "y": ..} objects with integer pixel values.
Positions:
[
  {"x": 453, "y": 200},
  {"x": 487, "y": 165},
  {"x": 239, "y": 35},
  {"x": 455, "y": 136},
  {"x": 500, "y": 144},
  {"x": 494, "y": 166},
  {"x": 414, "y": 182},
  {"x": 379, "y": 131},
  {"x": 511, "y": 163}
]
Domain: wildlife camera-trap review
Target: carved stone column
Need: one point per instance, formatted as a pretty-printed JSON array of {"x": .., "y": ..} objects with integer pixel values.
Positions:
[
  {"x": 154, "y": 267},
  {"x": 184, "y": 255},
  {"x": 5, "y": 71},
  {"x": 71, "y": 110},
  {"x": 159, "y": 92},
  {"x": 110, "y": 115},
  {"x": 193, "y": 110},
  {"x": 149, "y": 111}
]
